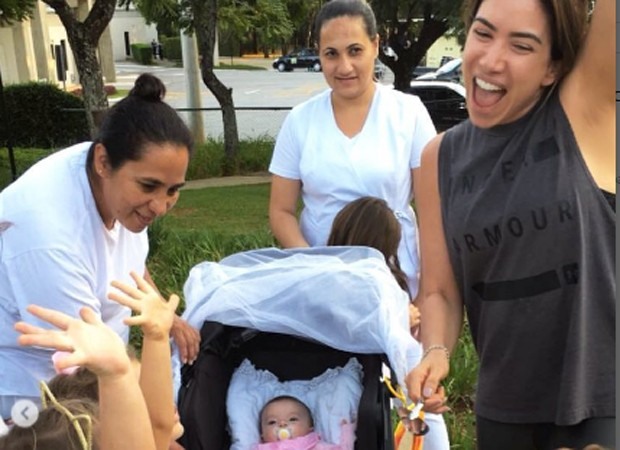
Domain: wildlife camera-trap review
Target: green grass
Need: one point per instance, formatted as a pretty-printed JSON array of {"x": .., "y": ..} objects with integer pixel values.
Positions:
[
  {"x": 225, "y": 66},
  {"x": 120, "y": 93},
  {"x": 230, "y": 211},
  {"x": 24, "y": 158}
]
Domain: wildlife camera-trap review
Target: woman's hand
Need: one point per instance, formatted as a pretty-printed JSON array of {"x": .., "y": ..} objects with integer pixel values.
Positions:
[
  {"x": 423, "y": 381},
  {"x": 187, "y": 340},
  {"x": 155, "y": 315},
  {"x": 87, "y": 340}
]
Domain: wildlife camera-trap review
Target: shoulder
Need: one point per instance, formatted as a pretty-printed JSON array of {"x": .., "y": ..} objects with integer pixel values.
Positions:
[{"x": 319, "y": 101}]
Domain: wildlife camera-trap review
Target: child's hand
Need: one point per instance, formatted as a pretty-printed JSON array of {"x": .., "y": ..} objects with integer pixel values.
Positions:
[
  {"x": 155, "y": 315},
  {"x": 414, "y": 316},
  {"x": 89, "y": 342}
]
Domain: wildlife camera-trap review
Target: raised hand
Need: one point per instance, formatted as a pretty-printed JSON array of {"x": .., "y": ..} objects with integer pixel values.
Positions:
[
  {"x": 87, "y": 341},
  {"x": 155, "y": 315}
]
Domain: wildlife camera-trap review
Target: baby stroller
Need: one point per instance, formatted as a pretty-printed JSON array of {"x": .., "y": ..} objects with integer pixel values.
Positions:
[{"x": 333, "y": 293}]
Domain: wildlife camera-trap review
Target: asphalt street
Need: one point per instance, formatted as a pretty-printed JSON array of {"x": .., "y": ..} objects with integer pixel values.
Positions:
[{"x": 251, "y": 89}]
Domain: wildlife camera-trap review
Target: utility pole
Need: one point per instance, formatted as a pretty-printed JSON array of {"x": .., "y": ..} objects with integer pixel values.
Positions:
[{"x": 192, "y": 75}]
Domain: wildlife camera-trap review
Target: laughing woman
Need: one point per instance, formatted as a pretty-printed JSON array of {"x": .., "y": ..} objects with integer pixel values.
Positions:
[{"x": 517, "y": 223}]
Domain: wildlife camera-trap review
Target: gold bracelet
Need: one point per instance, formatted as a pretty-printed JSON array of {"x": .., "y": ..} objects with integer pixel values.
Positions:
[{"x": 437, "y": 347}]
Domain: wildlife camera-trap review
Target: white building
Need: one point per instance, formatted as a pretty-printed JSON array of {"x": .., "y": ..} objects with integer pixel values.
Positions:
[{"x": 35, "y": 45}]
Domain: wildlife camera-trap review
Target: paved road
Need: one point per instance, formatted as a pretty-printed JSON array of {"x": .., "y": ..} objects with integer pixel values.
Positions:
[{"x": 251, "y": 88}]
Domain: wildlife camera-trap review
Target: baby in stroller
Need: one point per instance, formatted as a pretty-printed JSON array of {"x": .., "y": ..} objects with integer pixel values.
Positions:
[
  {"x": 293, "y": 314},
  {"x": 287, "y": 423}
]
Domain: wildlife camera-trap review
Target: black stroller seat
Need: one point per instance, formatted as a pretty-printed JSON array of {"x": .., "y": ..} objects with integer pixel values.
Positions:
[
  {"x": 204, "y": 385},
  {"x": 315, "y": 309}
]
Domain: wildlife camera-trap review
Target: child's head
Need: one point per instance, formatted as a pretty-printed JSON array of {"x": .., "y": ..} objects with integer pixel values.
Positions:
[
  {"x": 60, "y": 425},
  {"x": 284, "y": 417},
  {"x": 371, "y": 222},
  {"x": 83, "y": 383}
]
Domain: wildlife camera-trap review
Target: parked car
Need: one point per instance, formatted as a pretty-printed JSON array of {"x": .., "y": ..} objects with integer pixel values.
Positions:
[
  {"x": 421, "y": 70},
  {"x": 444, "y": 100},
  {"x": 450, "y": 71},
  {"x": 306, "y": 58}
]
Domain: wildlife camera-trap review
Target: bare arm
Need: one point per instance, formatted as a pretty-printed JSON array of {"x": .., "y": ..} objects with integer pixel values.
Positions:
[
  {"x": 123, "y": 417},
  {"x": 155, "y": 317},
  {"x": 186, "y": 337},
  {"x": 439, "y": 301},
  {"x": 588, "y": 96},
  {"x": 283, "y": 212}
]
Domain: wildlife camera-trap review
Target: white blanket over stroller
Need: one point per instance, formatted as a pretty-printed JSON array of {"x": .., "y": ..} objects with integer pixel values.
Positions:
[{"x": 343, "y": 297}]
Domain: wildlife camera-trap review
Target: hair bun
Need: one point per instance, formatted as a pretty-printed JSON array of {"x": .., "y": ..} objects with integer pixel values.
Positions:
[{"x": 148, "y": 87}]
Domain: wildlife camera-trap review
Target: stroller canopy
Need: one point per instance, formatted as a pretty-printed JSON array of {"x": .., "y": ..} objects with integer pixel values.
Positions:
[{"x": 342, "y": 297}]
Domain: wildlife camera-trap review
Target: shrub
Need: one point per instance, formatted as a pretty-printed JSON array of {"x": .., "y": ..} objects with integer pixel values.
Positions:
[
  {"x": 37, "y": 115},
  {"x": 171, "y": 48},
  {"x": 142, "y": 53},
  {"x": 208, "y": 159}
]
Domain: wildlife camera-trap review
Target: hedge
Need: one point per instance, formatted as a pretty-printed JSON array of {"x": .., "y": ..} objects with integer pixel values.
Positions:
[
  {"x": 142, "y": 53},
  {"x": 172, "y": 48},
  {"x": 36, "y": 116}
]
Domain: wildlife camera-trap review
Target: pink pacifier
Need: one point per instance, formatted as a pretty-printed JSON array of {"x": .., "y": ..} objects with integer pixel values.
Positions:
[{"x": 284, "y": 434}]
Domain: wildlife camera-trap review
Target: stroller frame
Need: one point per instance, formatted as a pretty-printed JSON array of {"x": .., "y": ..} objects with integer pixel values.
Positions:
[{"x": 204, "y": 385}]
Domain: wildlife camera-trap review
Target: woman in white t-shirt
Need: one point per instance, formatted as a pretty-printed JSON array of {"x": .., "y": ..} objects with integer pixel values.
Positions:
[
  {"x": 358, "y": 138},
  {"x": 77, "y": 220}
]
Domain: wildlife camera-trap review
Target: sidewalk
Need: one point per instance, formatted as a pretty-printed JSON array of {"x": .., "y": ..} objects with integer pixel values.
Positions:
[{"x": 228, "y": 181}]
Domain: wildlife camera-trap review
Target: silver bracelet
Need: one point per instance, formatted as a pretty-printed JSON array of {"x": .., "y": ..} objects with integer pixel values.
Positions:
[{"x": 437, "y": 347}]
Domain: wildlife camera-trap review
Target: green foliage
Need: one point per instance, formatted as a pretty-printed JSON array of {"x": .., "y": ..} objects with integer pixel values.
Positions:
[
  {"x": 15, "y": 11},
  {"x": 142, "y": 53},
  {"x": 208, "y": 159},
  {"x": 37, "y": 116},
  {"x": 24, "y": 158},
  {"x": 172, "y": 48},
  {"x": 272, "y": 23}
]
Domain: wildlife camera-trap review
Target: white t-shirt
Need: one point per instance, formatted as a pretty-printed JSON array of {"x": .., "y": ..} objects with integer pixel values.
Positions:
[
  {"x": 57, "y": 253},
  {"x": 335, "y": 169}
]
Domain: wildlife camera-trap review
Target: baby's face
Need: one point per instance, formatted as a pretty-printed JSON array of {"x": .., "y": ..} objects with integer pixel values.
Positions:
[{"x": 284, "y": 414}]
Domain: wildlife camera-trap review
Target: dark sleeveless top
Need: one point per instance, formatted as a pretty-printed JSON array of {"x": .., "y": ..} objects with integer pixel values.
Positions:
[{"x": 531, "y": 240}]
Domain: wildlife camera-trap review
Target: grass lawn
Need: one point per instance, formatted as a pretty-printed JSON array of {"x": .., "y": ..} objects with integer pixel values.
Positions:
[{"x": 234, "y": 210}]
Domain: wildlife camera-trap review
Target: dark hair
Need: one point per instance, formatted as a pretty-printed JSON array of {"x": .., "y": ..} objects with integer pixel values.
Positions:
[
  {"x": 284, "y": 397},
  {"x": 82, "y": 383},
  {"x": 371, "y": 222},
  {"x": 350, "y": 8},
  {"x": 140, "y": 118},
  {"x": 53, "y": 429},
  {"x": 568, "y": 22}
]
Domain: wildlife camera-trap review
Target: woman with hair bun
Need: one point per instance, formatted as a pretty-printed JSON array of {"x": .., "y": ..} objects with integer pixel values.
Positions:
[{"x": 78, "y": 219}]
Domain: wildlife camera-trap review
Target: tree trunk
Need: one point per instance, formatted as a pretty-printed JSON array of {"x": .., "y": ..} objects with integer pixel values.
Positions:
[
  {"x": 410, "y": 55},
  {"x": 83, "y": 38},
  {"x": 205, "y": 22}
]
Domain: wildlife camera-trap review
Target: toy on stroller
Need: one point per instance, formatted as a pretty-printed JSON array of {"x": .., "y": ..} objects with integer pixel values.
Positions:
[{"x": 294, "y": 313}]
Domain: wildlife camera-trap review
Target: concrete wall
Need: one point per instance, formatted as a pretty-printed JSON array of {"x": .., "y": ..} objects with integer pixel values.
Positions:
[
  {"x": 442, "y": 47},
  {"x": 132, "y": 23},
  {"x": 57, "y": 34},
  {"x": 23, "y": 60},
  {"x": 8, "y": 67}
]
